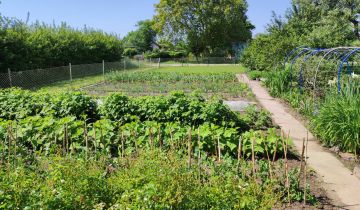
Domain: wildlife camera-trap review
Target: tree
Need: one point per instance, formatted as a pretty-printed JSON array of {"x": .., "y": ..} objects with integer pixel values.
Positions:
[
  {"x": 208, "y": 26},
  {"x": 351, "y": 11},
  {"x": 143, "y": 38},
  {"x": 312, "y": 23}
]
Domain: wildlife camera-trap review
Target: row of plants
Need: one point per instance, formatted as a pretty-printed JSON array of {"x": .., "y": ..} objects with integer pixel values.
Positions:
[
  {"x": 224, "y": 85},
  {"x": 190, "y": 109},
  {"x": 154, "y": 180},
  {"x": 47, "y": 135},
  {"x": 154, "y": 76},
  {"x": 334, "y": 116}
]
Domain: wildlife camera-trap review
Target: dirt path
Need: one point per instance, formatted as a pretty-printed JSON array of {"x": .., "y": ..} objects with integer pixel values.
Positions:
[{"x": 340, "y": 184}]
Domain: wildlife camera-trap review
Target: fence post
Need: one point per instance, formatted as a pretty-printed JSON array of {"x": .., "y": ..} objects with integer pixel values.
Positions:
[
  {"x": 10, "y": 79},
  {"x": 103, "y": 67},
  {"x": 139, "y": 63},
  {"x": 124, "y": 63},
  {"x": 70, "y": 72},
  {"x": 159, "y": 63},
  {"x": 150, "y": 63}
]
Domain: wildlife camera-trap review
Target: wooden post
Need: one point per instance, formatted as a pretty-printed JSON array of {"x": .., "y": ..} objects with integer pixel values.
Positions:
[
  {"x": 305, "y": 164},
  {"x": 103, "y": 68},
  {"x": 70, "y": 72},
  {"x": 124, "y": 63},
  {"x": 219, "y": 148},
  {"x": 86, "y": 139},
  {"x": 189, "y": 147},
  {"x": 10, "y": 79},
  {"x": 159, "y": 62}
]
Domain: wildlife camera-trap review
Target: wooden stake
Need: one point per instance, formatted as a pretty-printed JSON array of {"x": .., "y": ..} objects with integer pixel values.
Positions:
[
  {"x": 269, "y": 162},
  {"x": 253, "y": 156},
  {"x": 189, "y": 147},
  {"x": 239, "y": 149},
  {"x": 159, "y": 137},
  {"x": 122, "y": 144},
  {"x": 305, "y": 166},
  {"x": 275, "y": 151},
  {"x": 94, "y": 128},
  {"x": 302, "y": 158},
  {"x": 86, "y": 140},
  {"x": 287, "y": 184},
  {"x": 219, "y": 148},
  {"x": 151, "y": 138}
]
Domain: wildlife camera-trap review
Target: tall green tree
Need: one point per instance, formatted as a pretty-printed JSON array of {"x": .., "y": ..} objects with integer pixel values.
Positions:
[
  {"x": 143, "y": 38},
  {"x": 208, "y": 26},
  {"x": 313, "y": 23}
]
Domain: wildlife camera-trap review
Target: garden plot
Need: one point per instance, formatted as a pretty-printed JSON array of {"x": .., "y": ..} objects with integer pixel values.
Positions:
[
  {"x": 208, "y": 155},
  {"x": 208, "y": 81}
]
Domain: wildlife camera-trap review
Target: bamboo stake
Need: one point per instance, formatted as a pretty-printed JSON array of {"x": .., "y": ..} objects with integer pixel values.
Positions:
[
  {"x": 171, "y": 139},
  {"x": 94, "y": 128},
  {"x": 189, "y": 147},
  {"x": 86, "y": 140},
  {"x": 102, "y": 139},
  {"x": 219, "y": 148},
  {"x": 269, "y": 162},
  {"x": 253, "y": 156},
  {"x": 239, "y": 153},
  {"x": 15, "y": 146},
  {"x": 122, "y": 144},
  {"x": 287, "y": 184},
  {"x": 275, "y": 151},
  {"x": 302, "y": 158},
  {"x": 67, "y": 139},
  {"x": 199, "y": 152},
  {"x": 151, "y": 138},
  {"x": 9, "y": 143},
  {"x": 64, "y": 140},
  {"x": 239, "y": 149},
  {"x": 305, "y": 166}
]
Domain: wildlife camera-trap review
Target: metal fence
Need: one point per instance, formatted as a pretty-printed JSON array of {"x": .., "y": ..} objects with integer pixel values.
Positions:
[{"x": 31, "y": 79}]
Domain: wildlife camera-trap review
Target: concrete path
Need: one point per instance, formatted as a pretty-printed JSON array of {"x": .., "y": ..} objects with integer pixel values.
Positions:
[{"x": 340, "y": 184}]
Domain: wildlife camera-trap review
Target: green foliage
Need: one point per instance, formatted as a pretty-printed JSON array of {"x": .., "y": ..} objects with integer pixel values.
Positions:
[
  {"x": 177, "y": 107},
  {"x": 130, "y": 52},
  {"x": 41, "y": 46},
  {"x": 265, "y": 144},
  {"x": 255, "y": 75},
  {"x": 307, "y": 23},
  {"x": 278, "y": 82},
  {"x": 337, "y": 122},
  {"x": 209, "y": 27},
  {"x": 257, "y": 119},
  {"x": 135, "y": 183},
  {"x": 142, "y": 38},
  {"x": 208, "y": 83},
  {"x": 16, "y": 103}
]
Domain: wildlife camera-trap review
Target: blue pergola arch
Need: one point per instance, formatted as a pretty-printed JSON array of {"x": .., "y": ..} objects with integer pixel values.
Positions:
[{"x": 339, "y": 55}]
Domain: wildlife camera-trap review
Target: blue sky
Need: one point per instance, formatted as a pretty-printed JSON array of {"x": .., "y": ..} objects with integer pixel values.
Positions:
[{"x": 118, "y": 16}]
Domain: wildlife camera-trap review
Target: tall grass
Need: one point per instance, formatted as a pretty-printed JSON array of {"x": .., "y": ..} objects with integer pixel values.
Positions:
[{"x": 338, "y": 120}]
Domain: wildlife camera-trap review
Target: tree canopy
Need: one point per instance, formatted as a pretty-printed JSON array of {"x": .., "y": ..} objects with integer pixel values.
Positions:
[
  {"x": 210, "y": 27},
  {"x": 312, "y": 23}
]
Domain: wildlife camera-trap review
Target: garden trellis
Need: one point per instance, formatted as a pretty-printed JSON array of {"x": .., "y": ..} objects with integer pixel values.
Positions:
[{"x": 317, "y": 68}]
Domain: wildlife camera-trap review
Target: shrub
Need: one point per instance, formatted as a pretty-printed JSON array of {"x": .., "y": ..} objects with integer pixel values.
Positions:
[{"x": 337, "y": 122}]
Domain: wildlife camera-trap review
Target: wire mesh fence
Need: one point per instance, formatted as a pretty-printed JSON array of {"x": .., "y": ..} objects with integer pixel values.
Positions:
[{"x": 31, "y": 79}]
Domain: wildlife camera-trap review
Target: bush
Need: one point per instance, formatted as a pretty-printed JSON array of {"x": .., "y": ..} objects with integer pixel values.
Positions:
[
  {"x": 278, "y": 82},
  {"x": 254, "y": 75},
  {"x": 337, "y": 122}
]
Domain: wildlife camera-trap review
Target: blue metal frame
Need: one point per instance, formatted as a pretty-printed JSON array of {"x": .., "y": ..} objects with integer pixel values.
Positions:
[{"x": 343, "y": 60}]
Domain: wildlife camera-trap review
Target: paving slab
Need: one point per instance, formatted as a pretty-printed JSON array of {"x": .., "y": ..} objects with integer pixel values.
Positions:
[
  {"x": 238, "y": 106},
  {"x": 340, "y": 183}
]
